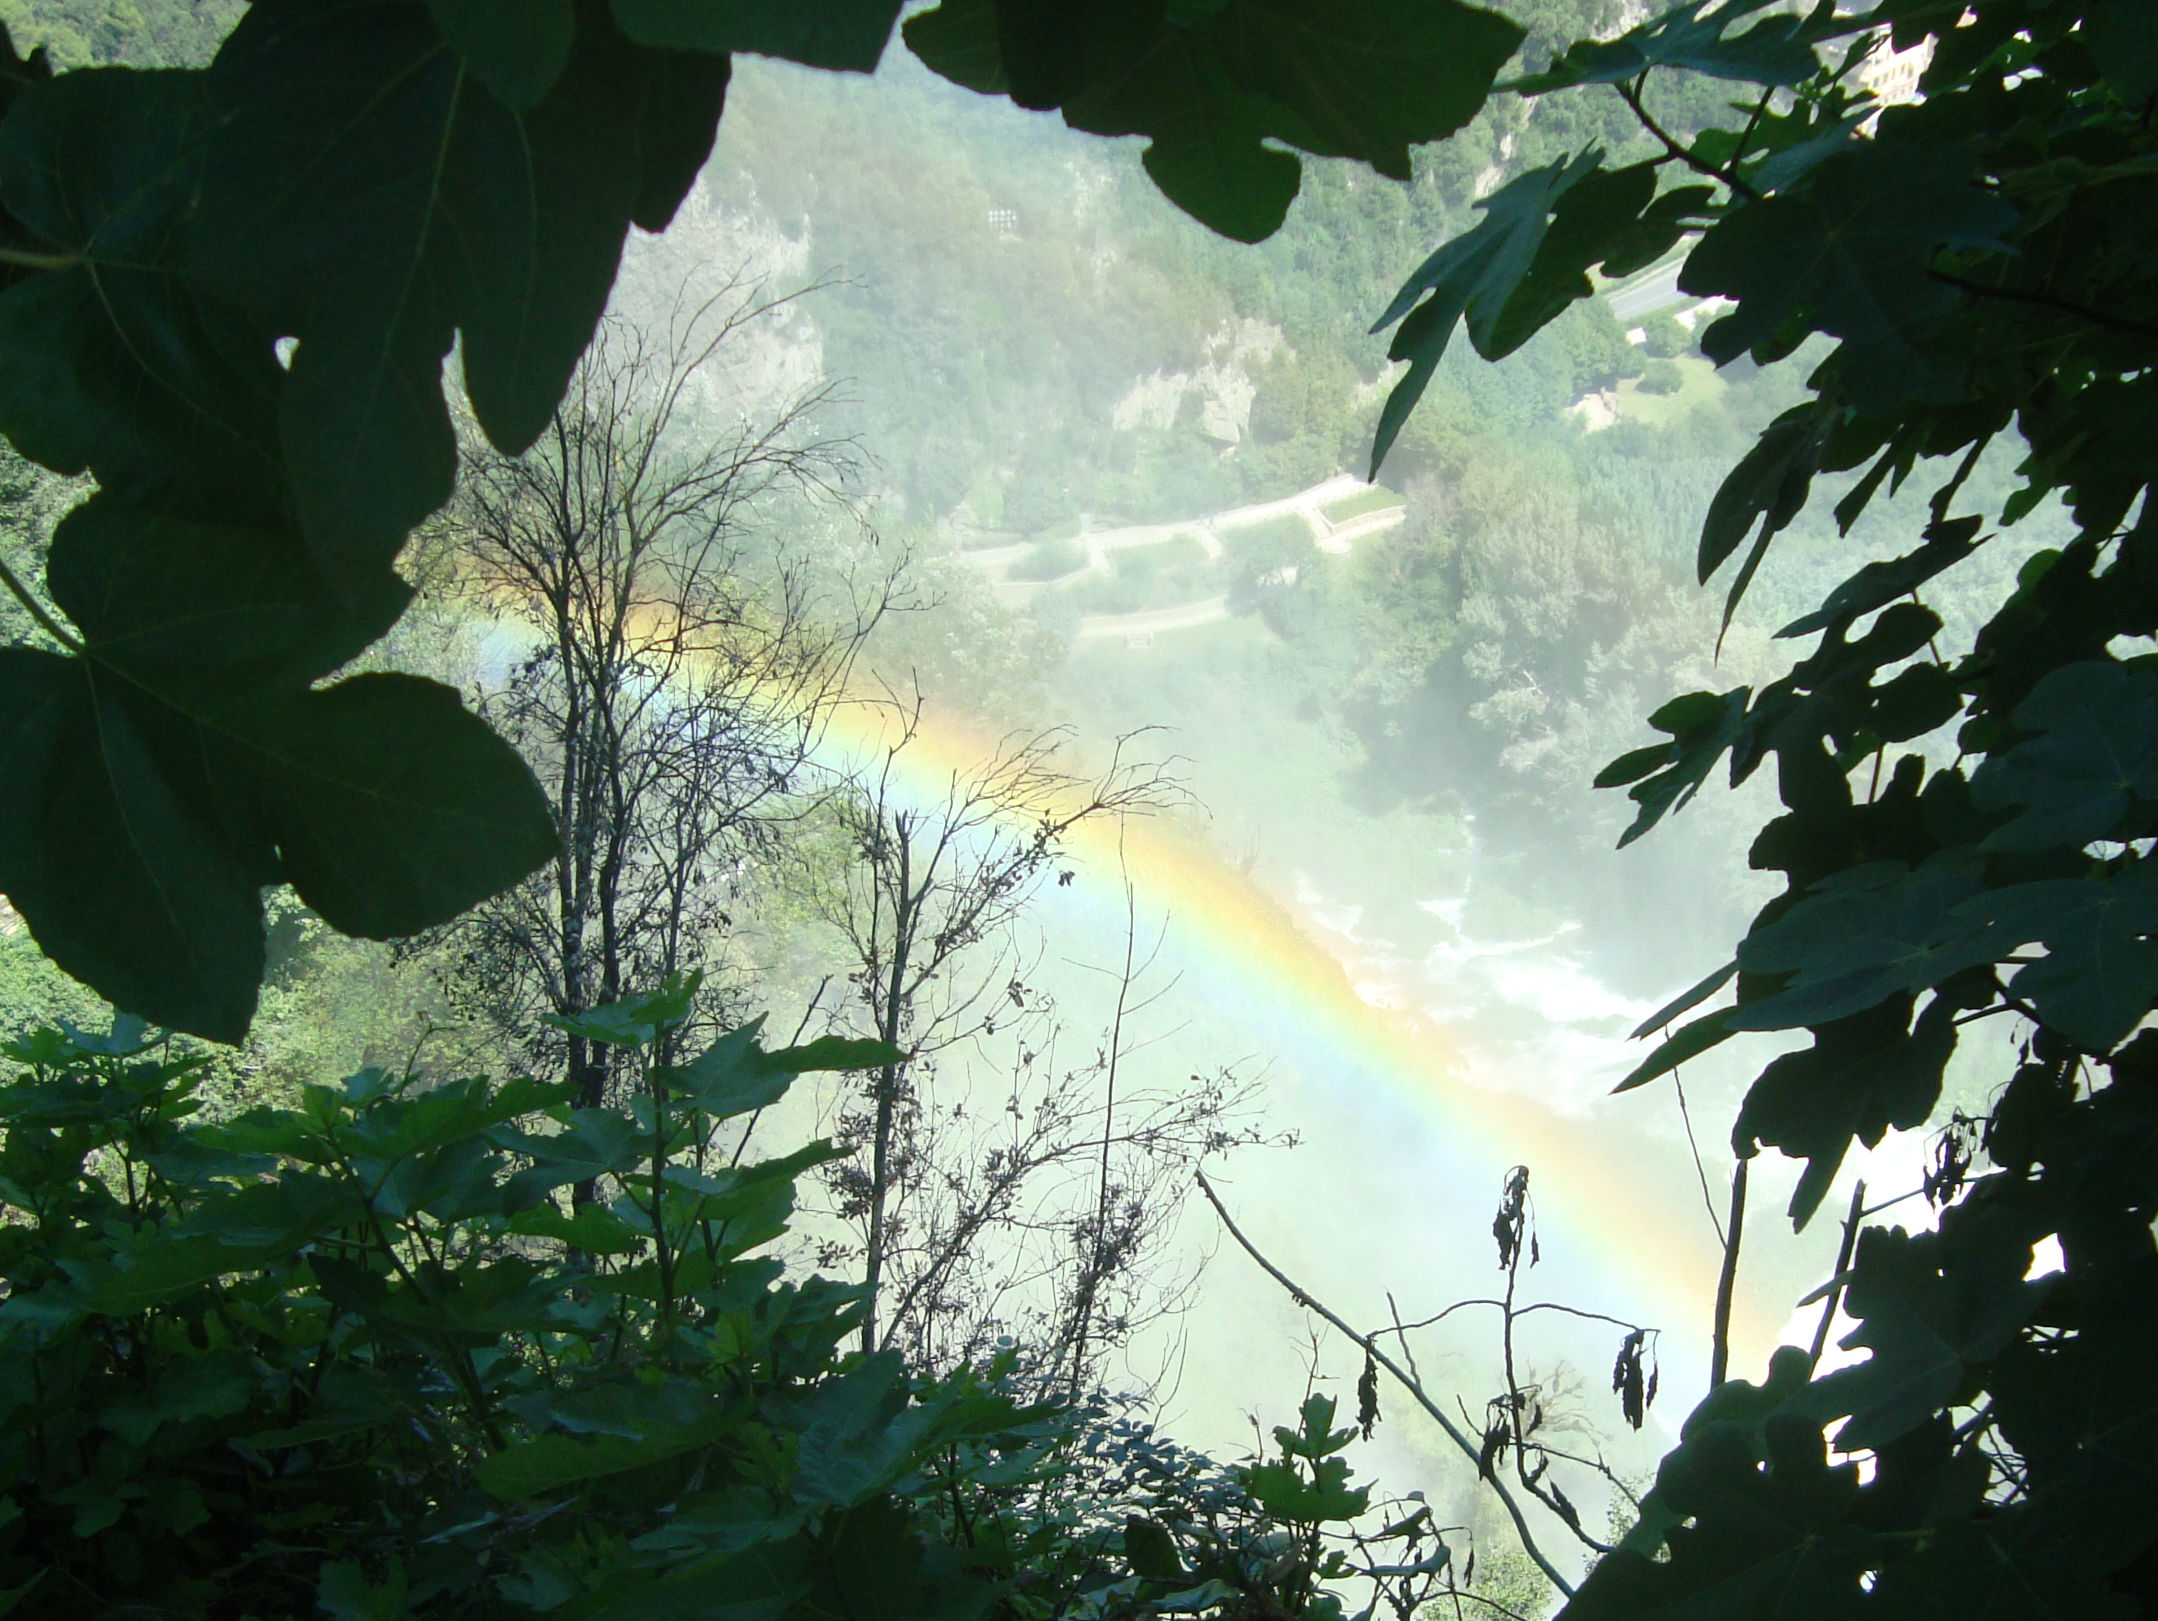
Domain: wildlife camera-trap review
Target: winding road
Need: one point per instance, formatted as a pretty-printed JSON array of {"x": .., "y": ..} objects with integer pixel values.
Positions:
[{"x": 1336, "y": 537}]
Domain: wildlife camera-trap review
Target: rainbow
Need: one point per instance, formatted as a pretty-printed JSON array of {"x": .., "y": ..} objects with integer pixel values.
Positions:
[{"x": 1646, "y": 1254}]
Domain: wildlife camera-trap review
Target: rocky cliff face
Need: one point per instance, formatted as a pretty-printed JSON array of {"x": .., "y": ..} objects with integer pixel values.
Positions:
[{"x": 1222, "y": 386}]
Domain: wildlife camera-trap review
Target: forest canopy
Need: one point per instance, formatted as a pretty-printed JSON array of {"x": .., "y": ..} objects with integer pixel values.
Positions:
[{"x": 230, "y": 293}]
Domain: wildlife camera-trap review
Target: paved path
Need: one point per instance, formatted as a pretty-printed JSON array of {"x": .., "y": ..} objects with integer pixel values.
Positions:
[
  {"x": 1099, "y": 627},
  {"x": 1656, "y": 291},
  {"x": 1309, "y": 505}
]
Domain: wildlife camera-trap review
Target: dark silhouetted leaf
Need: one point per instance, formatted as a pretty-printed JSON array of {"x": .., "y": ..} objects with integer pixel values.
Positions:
[
  {"x": 1848, "y": 249},
  {"x": 365, "y": 196},
  {"x": 842, "y": 34},
  {"x": 1697, "y": 36},
  {"x": 119, "y": 365},
  {"x": 1927, "y": 1324},
  {"x": 517, "y": 47},
  {"x": 1209, "y": 86},
  {"x": 2094, "y": 753}
]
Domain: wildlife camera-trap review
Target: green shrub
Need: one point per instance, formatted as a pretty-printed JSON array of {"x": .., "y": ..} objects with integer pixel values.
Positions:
[
  {"x": 358, "y": 1356},
  {"x": 1662, "y": 377},
  {"x": 1666, "y": 337},
  {"x": 1051, "y": 559}
]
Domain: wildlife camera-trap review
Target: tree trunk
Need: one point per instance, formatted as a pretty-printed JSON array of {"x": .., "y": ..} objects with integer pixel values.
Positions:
[{"x": 887, "y": 1087}]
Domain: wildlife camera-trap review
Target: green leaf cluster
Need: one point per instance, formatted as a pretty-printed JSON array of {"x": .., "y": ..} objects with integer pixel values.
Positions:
[
  {"x": 1965, "y": 833},
  {"x": 357, "y": 1355}
]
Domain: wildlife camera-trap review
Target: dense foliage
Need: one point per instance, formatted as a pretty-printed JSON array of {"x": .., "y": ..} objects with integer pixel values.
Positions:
[
  {"x": 358, "y": 1357},
  {"x": 1981, "y": 262},
  {"x": 354, "y": 1354}
]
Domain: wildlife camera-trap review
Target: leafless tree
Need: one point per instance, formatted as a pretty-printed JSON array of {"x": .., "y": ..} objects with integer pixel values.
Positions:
[
  {"x": 677, "y": 650},
  {"x": 1037, "y": 1214}
]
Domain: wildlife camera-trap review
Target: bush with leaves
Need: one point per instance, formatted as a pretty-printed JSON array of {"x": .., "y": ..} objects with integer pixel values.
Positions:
[{"x": 356, "y": 1355}]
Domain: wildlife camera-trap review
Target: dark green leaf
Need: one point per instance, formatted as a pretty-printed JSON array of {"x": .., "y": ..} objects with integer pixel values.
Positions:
[
  {"x": 1594, "y": 220},
  {"x": 1926, "y": 1322},
  {"x": 201, "y": 612},
  {"x": 1315, "y": 1435},
  {"x": 1862, "y": 1077},
  {"x": 394, "y": 806},
  {"x": 592, "y": 1143},
  {"x": 1478, "y": 270},
  {"x": 830, "y": 1053},
  {"x": 593, "y": 1229},
  {"x": 2124, "y": 39},
  {"x": 1695, "y": 36},
  {"x": 1760, "y": 1529},
  {"x": 1703, "y": 727},
  {"x": 2094, "y": 752},
  {"x": 2100, "y": 971},
  {"x": 365, "y": 196},
  {"x": 126, "y": 884},
  {"x": 1685, "y": 1002},
  {"x": 1687, "y": 1042},
  {"x": 617, "y": 1428},
  {"x": 1287, "y": 1494},
  {"x": 843, "y": 34},
  {"x": 1859, "y": 944},
  {"x": 858, "y": 1434},
  {"x": 119, "y": 365},
  {"x": 517, "y": 47},
  {"x": 1878, "y": 584},
  {"x": 450, "y": 1113},
  {"x": 1848, "y": 250},
  {"x": 636, "y": 1021},
  {"x": 1633, "y": 765},
  {"x": 678, "y": 107},
  {"x": 1769, "y": 483},
  {"x": 959, "y": 40},
  {"x": 1151, "y": 1551},
  {"x": 1338, "y": 78}
]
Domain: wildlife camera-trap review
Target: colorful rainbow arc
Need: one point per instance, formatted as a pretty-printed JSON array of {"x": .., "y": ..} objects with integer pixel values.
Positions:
[{"x": 1644, "y": 1253}]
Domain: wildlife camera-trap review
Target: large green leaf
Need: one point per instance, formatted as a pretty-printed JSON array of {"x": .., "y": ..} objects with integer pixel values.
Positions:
[
  {"x": 116, "y": 363},
  {"x": 678, "y": 105},
  {"x": 1848, "y": 251},
  {"x": 368, "y": 195},
  {"x": 238, "y": 1230},
  {"x": 1864, "y": 1076},
  {"x": 1477, "y": 272},
  {"x": 638, "y": 1021},
  {"x": 431, "y": 1120},
  {"x": 517, "y": 47},
  {"x": 1879, "y": 583},
  {"x": 1286, "y": 1493},
  {"x": 841, "y": 34},
  {"x": 1703, "y": 727},
  {"x": 126, "y": 884},
  {"x": 1210, "y": 85},
  {"x": 184, "y": 762},
  {"x": 591, "y": 1143},
  {"x": 1878, "y": 932},
  {"x": 1697, "y": 36},
  {"x": 1756, "y": 1522},
  {"x": 605, "y": 1431},
  {"x": 393, "y": 806},
  {"x": 206, "y": 613},
  {"x": 2100, "y": 972},
  {"x": 859, "y": 1434},
  {"x": 1930, "y": 1313},
  {"x": 2094, "y": 752}
]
